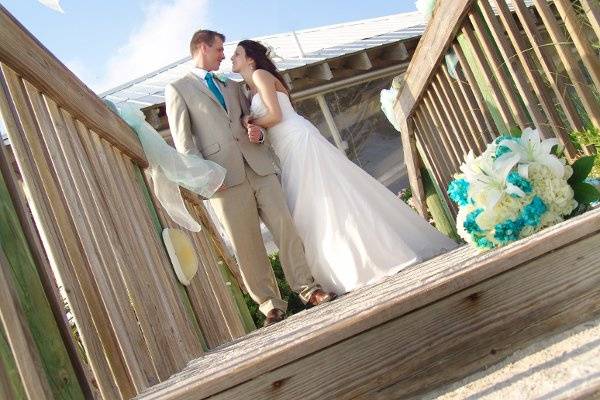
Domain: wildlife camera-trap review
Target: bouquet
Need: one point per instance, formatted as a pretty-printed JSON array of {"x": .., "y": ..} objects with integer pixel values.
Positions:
[{"x": 518, "y": 186}]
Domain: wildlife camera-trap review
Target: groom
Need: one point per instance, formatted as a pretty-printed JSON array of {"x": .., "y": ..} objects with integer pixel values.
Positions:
[{"x": 205, "y": 117}]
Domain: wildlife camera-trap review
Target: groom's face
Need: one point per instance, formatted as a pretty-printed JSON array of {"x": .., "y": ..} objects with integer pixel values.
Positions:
[{"x": 213, "y": 55}]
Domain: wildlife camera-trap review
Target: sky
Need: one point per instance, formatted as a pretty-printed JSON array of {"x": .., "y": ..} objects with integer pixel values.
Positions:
[{"x": 109, "y": 42}]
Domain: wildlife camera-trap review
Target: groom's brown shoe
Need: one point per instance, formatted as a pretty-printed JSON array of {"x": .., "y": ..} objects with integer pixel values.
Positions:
[
  {"x": 320, "y": 296},
  {"x": 274, "y": 316}
]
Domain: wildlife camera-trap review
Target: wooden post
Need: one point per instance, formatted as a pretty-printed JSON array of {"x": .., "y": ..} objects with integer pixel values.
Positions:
[
  {"x": 440, "y": 214},
  {"x": 11, "y": 386},
  {"x": 411, "y": 159},
  {"x": 20, "y": 338},
  {"x": 37, "y": 312},
  {"x": 237, "y": 295}
]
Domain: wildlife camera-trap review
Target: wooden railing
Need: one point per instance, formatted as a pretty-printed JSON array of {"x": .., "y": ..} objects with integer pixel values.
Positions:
[
  {"x": 77, "y": 210},
  {"x": 519, "y": 64}
]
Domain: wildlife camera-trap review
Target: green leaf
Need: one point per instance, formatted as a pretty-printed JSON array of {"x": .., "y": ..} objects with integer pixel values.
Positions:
[
  {"x": 585, "y": 193},
  {"x": 515, "y": 131},
  {"x": 581, "y": 169}
]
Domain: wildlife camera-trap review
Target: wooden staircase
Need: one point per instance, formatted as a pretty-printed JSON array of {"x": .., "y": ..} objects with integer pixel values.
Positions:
[
  {"x": 147, "y": 337},
  {"x": 424, "y": 327}
]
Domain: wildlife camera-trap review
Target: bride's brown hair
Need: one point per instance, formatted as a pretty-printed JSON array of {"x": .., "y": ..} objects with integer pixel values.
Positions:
[{"x": 259, "y": 53}]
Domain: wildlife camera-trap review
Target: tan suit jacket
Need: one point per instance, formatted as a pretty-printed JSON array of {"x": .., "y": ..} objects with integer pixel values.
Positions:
[{"x": 201, "y": 126}]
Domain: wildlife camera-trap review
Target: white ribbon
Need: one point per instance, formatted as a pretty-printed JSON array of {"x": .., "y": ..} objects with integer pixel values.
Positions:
[{"x": 170, "y": 169}]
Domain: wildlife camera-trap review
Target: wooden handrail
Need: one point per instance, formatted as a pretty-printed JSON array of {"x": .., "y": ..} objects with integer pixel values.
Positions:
[
  {"x": 22, "y": 52},
  {"x": 440, "y": 32}
]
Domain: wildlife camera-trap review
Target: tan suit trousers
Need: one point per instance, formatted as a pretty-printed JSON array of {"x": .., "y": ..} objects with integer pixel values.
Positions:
[{"x": 239, "y": 209}]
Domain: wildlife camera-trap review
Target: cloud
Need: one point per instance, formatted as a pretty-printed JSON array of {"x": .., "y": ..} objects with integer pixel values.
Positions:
[
  {"x": 162, "y": 38},
  {"x": 79, "y": 68},
  {"x": 53, "y": 4}
]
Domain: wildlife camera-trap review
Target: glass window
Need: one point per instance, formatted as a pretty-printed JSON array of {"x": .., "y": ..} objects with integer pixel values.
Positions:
[{"x": 373, "y": 143}]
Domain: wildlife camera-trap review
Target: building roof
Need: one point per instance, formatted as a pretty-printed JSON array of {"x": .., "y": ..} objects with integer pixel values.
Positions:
[{"x": 292, "y": 49}]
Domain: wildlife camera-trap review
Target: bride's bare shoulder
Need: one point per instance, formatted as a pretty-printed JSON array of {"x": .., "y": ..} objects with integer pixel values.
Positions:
[{"x": 263, "y": 75}]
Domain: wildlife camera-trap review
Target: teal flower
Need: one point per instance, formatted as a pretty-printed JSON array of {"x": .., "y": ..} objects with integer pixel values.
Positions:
[
  {"x": 458, "y": 190},
  {"x": 532, "y": 213},
  {"x": 508, "y": 231},
  {"x": 470, "y": 224},
  {"x": 483, "y": 242},
  {"x": 517, "y": 180}
]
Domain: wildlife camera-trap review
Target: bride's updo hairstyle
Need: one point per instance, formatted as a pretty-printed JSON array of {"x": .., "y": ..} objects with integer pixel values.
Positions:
[{"x": 260, "y": 54}]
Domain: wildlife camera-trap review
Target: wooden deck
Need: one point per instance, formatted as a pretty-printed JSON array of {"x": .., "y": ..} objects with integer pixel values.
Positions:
[{"x": 426, "y": 326}]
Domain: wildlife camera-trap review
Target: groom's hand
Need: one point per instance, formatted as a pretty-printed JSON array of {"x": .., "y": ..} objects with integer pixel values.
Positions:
[
  {"x": 246, "y": 121},
  {"x": 255, "y": 133}
]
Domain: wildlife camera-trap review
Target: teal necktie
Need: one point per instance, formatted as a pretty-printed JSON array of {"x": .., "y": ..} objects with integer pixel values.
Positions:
[{"x": 210, "y": 82}]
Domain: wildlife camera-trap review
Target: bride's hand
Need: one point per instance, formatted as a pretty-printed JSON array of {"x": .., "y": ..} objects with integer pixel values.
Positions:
[{"x": 255, "y": 134}]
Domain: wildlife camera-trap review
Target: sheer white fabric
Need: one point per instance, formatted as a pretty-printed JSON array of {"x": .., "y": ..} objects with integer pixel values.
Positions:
[
  {"x": 355, "y": 231},
  {"x": 170, "y": 169}
]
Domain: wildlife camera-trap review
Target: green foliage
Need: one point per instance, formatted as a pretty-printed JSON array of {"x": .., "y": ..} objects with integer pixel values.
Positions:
[
  {"x": 405, "y": 194},
  {"x": 294, "y": 303},
  {"x": 584, "y": 192},
  {"x": 589, "y": 137},
  {"x": 581, "y": 169}
]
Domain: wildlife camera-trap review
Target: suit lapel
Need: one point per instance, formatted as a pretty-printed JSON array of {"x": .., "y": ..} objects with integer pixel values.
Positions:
[{"x": 204, "y": 89}]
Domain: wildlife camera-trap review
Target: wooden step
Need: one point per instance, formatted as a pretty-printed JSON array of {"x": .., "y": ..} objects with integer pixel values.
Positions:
[
  {"x": 429, "y": 325},
  {"x": 563, "y": 366}
]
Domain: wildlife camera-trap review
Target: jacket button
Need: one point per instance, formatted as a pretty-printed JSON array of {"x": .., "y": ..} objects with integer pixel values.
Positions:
[{"x": 237, "y": 139}]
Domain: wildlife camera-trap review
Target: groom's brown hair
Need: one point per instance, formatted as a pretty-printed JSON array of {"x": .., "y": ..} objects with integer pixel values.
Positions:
[{"x": 204, "y": 36}]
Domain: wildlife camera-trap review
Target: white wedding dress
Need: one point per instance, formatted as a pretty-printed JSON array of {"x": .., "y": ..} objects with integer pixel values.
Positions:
[{"x": 355, "y": 231}]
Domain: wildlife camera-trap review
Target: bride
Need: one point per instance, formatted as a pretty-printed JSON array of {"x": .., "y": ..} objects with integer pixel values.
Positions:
[{"x": 355, "y": 231}]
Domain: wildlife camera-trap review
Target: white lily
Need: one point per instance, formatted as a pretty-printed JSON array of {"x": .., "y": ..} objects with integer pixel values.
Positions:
[
  {"x": 487, "y": 180},
  {"x": 388, "y": 98},
  {"x": 530, "y": 149}
]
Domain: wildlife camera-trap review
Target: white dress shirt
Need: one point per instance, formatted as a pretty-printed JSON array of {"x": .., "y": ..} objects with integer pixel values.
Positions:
[{"x": 201, "y": 73}]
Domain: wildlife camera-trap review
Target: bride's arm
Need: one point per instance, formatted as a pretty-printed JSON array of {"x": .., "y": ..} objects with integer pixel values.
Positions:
[{"x": 265, "y": 85}]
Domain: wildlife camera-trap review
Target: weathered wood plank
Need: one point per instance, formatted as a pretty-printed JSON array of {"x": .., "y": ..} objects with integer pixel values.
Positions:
[
  {"x": 448, "y": 339},
  {"x": 202, "y": 297},
  {"x": 465, "y": 115},
  {"x": 489, "y": 79},
  {"x": 468, "y": 83},
  {"x": 449, "y": 113},
  {"x": 560, "y": 41},
  {"x": 445, "y": 166},
  {"x": 319, "y": 328},
  {"x": 542, "y": 94},
  {"x": 443, "y": 128},
  {"x": 29, "y": 58},
  {"x": 124, "y": 277},
  {"x": 413, "y": 167},
  {"x": 102, "y": 263},
  {"x": 558, "y": 82},
  {"x": 500, "y": 69},
  {"x": 592, "y": 9},
  {"x": 158, "y": 227},
  {"x": 585, "y": 50},
  {"x": 11, "y": 386},
  {"x": 430, "y": 154},
  {"x": 21, "y": 236},
  {"x": 20, "y": 339},
  {"x": 60, "y": 239},
  {"x": 183, "y": 341},
  {"x": 429, "y": 52}
]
